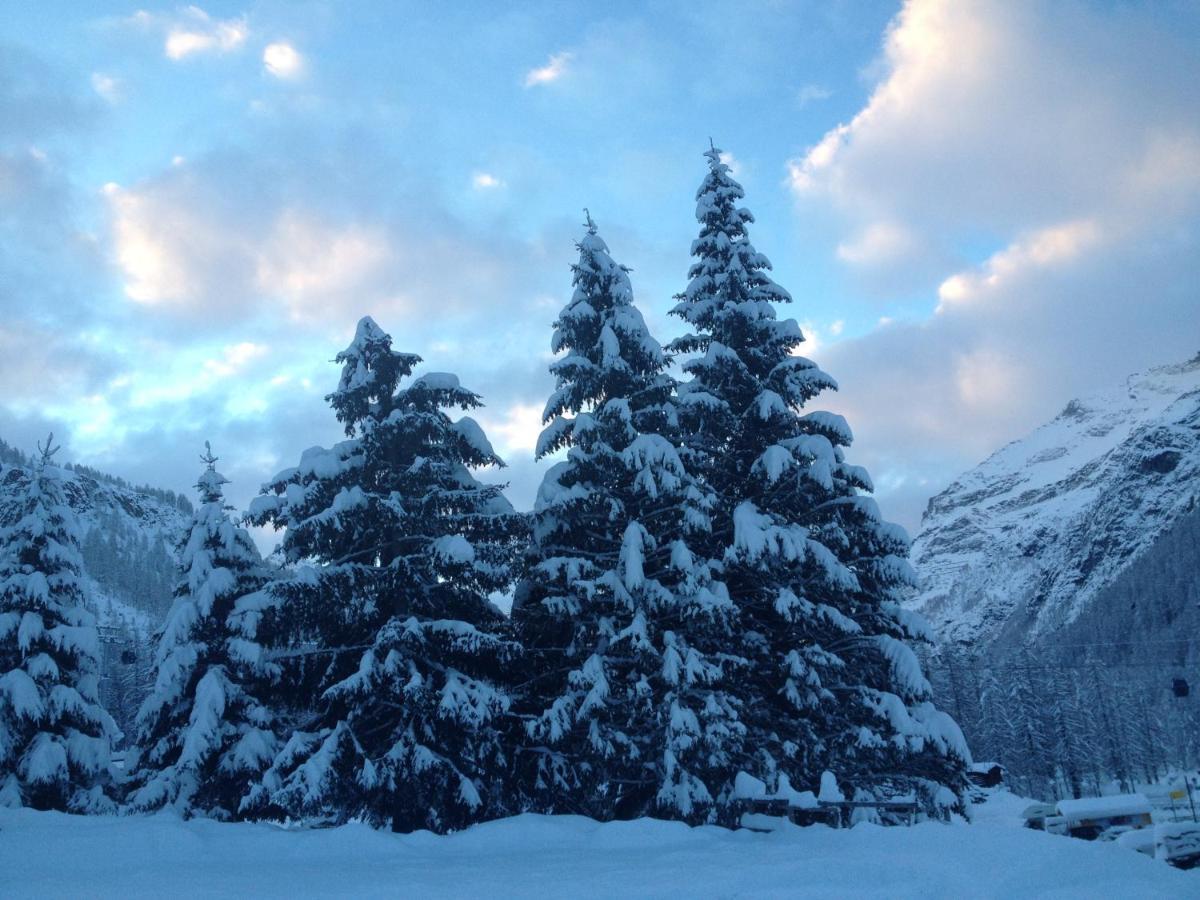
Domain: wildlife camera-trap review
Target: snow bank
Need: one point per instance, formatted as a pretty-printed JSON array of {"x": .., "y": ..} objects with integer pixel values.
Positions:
[{"x": 50, "y": 854}]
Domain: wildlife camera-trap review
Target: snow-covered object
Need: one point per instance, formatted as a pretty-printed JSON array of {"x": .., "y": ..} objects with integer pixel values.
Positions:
[
  {"x": 623, "y": 626},
  {"x": 1177, "y": 841},
  {"x": 396, "y": 675},
  {"x": 1111, "y": 807},
  {"x": 747, "y": 787},
  {"x": 54, "y": 736},
  {"x": 830, "y": 792},
  {"x": 1022, "y": 544},
  {"x": 825, "y": 677},
  {"x": 205, "y": 733}
]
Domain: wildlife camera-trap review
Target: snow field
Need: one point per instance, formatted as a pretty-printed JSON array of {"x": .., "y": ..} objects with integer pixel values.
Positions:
[{"x": 56, "y": 855}]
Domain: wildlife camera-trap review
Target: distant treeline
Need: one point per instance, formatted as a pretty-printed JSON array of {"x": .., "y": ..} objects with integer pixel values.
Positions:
[{"x": 14, "y": 457}]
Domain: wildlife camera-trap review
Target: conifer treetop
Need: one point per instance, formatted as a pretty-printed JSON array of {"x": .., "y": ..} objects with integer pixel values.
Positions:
[
  {"x": 609, "y": 352},
  {"x": 729, "y": 302},
  {"x": 46, "y": 453},
  {"x": 210, "y": 482},
  {"x": 729, "y": 295},
  {"x": 371, "y": 371}
]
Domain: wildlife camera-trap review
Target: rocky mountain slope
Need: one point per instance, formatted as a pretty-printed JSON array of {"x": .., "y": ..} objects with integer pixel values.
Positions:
[{"x": 1024, "y": 544}]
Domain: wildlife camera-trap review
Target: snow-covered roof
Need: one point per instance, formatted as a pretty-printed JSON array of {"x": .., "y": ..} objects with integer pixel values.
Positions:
[
  {"x": 983, "y": 767},
  {"x": 1104, "y": 807}
]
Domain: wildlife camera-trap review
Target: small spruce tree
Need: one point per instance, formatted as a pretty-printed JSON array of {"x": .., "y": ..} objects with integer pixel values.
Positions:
[
  {"x": 54, "y": 736},
  {"x": 397, "y": 548},
  {"x": 204, "y": 733}
]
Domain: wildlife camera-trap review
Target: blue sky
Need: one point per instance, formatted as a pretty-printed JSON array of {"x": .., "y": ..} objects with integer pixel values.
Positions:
[{"x": 981, "y": 208}]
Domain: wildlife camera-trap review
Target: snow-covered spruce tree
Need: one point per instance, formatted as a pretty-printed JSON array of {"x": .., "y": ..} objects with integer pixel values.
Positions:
[
  {"x": 626, "y": 712},
  {"x": 207, "y": 730},
  {"x": 815, "y": 574},
  {"x": 54, "y": 736},
  {"x": 398, "y": 547}
]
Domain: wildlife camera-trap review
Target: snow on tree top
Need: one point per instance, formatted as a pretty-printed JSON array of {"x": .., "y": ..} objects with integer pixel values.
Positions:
[
  {"x": 454, "y": 548},
  {"x": 831, "y": 425},
  {"x": 367, "y": 330},
  {"x": 472, "y": 433},
  {"x": 438, "y": 381}
]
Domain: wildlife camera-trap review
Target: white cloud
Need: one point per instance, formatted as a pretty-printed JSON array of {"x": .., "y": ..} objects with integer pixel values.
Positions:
[
  {"x": 235, "y": 359},
  {"x": 214, "y": 245},
  {"x": 879, "y": 242},
  {"x": 813, "y": 340},
  {"x": 308, "y": 264},
  {"x": 804, "y": 174},
  {"x": 1002, "y": 116},
  {"x": 554, "y": 69},
  {"x": 149, "y": 275},
  {"x": 1046, "y": 248},
  {"x": 177, "y": 252},
  {"x": 812, "y": 93},
  {"x": 484, "y": 181},
  {"x": 1024, "y": 128},
  {"x": 106, "y": 86},
  {"x": 516, "y": 430},
  {"x": 282, "y": 60},
  {"x": 192, "y": 31},
  {"x": 196, "y": 31}
]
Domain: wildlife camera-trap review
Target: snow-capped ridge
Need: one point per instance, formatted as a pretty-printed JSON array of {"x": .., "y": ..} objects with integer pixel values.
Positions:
[{"x": 1021, "y": 544}]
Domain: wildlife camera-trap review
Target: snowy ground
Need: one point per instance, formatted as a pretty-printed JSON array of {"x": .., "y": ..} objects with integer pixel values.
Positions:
[{"x": 52, "y": 855}]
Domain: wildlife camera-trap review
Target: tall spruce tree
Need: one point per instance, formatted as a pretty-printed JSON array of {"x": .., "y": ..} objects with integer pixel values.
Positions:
[
  {"x": 398, "y": 548},
  {"x": 816, "y": 575},
  {"x": 205, "y": 733},
  {"x": 54, "y": 736},
  {"x": 627, "y": 712}
]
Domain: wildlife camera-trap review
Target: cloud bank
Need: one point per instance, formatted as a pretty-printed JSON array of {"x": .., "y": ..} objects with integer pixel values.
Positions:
[{"x": 1064, "y": 138}]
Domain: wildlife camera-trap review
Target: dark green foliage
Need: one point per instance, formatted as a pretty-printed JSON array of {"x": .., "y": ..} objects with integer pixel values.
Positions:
[
  {"x": 400, "y": 657},
  {"x": 627, "y": 715},
  {"x": 827, "y": 681}
]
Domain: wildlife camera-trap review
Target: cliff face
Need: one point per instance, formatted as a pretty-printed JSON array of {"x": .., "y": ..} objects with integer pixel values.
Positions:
[{"x": 1024, "y": 544}]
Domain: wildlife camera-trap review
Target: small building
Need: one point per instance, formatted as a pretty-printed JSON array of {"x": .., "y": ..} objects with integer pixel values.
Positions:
[
  {"x": 1088, "y": 817},
  {"x": 985, "y": 774}
]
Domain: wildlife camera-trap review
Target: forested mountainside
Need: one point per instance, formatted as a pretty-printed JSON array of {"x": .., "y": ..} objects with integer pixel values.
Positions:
[
  {"x": 1062, "y": 580},
  {"x": 1150, "y": 611},
  {"x": 127, "y": 540}
]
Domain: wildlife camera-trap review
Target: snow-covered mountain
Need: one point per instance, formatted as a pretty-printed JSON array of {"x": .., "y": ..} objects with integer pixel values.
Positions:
[
  {"x": 128, "y": 537},
  {"x": 1024, "y": 543}
]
